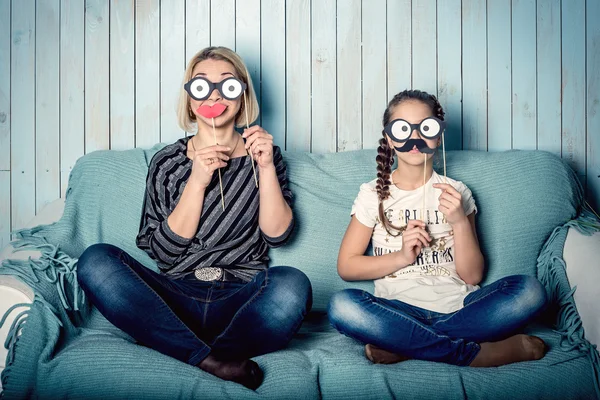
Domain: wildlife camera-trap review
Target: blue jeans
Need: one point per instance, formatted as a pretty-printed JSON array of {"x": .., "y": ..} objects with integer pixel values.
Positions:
[
  {"x": 491, "y": 313},
  {"x": 186, "y": 318}
]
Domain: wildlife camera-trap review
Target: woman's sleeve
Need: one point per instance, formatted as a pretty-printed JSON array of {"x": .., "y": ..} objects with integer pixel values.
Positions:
[
  {"x": 156, "y": 237},
  {"x": 281, "y": 171}
]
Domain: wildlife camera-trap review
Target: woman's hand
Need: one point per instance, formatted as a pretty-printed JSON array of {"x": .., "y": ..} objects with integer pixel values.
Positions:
[
  {"x": 205, "y": 162},
  {"x": 451, "y": 204},
  {"x": 260, "y": 145},
  {"x": 414, "y": 238}
]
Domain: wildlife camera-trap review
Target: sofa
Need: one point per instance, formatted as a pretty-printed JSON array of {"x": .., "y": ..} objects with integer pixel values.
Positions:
[{"x": 530, "y": 207}]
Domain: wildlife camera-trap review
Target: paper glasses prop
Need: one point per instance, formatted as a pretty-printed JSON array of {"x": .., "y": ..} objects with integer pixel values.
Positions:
[
  {"x": 200, "y": 88},
  {"x": 399, "y": 131}
]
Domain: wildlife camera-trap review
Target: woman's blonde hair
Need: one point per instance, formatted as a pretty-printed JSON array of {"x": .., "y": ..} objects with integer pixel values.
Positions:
[{"x": 185, "y": 116}]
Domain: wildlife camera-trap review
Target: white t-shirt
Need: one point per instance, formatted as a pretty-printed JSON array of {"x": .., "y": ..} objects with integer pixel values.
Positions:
[{"x": 431, "y": 282}]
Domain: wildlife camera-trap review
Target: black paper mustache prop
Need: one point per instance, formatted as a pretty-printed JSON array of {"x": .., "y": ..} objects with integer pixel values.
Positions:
[{"x": 411, "y": 143}]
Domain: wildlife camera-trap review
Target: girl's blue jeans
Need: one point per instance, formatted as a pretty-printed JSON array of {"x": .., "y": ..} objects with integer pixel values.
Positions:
[
  {"x": 491, "y": 313},
  {"x": 186, "y": 318}
]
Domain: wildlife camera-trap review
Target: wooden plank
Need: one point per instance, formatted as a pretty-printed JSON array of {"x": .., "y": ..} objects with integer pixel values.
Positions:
[
  {"x": 247, "y": 40},
  {"x": 122, "y": 75},
  {"x": 474, "y": 75},
  {"x": 548, "y": 76},
  {"x": 374, "y": 88},
  {"x": 573, "y": 84},
  {"x": 172, "y": 67},
  {"x": 499, "y": 71},
  {"x": 297, "y": 17},
  {"x": 22, "y": 99},
  {"x": 449, "y": 70},
  {"x": 349, "y": 71},
  {"x": 197, "y": 26},
  {"x": 222, "y": 23},
  {"x": 593, "y": 103},
  {"x": 5, "y": 87},
  {"x": 5, "y": 42},
  {"x": 47, "y": 100},
  {"x": 272, "y": 50},
  {"x": 97, "y": 69},
  {"x": 324, "y": 124},
  {"x": 524, "y": 80},
  {"x": 147, "y": 74},
  {"x": 4, "y": 198},
  {"x": 424, "y": 45},
  {"x": 72, "y": 97},
  {"x": 399, "y": 47}
]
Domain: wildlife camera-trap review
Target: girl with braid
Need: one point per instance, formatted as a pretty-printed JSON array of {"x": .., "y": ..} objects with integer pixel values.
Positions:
[{"x": 426, "y": 261}]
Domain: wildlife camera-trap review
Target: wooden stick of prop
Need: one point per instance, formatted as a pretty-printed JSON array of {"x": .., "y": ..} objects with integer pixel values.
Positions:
[
  {"x": 220, "y": 180},
  {"x": 248, "y": 151},
  {"x": 444, "y": 156},
  {"x": 424, "y": 191}
]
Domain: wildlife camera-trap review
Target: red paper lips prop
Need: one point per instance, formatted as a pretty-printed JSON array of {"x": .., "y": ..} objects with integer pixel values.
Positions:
[{"x": 211, "y": 112}]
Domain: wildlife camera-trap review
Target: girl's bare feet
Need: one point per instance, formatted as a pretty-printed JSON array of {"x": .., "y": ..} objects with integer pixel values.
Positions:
[
  {"x": 245, "y": 372},
  {"x": 380, "y": 356},
  {"x": 514, "y": 349}
]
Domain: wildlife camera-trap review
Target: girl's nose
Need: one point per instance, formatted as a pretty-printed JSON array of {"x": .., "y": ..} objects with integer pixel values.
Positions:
[{"x": 415, "y": 134}]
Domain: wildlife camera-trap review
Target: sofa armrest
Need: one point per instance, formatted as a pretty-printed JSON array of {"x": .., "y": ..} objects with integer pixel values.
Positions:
[
  {"x": 582, "y": 257},
  {"x": 12, "y": 290}
]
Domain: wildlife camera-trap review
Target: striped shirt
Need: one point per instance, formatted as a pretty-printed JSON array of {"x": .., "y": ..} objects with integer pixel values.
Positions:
[{"x": 229, "y": 239}]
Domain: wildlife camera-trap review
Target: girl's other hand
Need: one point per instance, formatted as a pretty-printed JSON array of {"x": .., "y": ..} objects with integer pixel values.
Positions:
[
  {"x": 450, "y": 204},
  {"x": 414, "y": 238}
]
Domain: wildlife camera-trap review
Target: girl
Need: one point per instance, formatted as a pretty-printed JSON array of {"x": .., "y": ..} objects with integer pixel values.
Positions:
[
  {"x": 426, "y": 260},
  {"x": 208, "y": 225}
]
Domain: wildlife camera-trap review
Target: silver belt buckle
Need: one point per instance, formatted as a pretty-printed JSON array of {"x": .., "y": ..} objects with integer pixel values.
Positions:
[{"x": 208, "y": 274}]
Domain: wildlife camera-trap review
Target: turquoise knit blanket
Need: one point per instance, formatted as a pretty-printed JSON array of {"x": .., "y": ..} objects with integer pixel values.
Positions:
[{"x": 527, "y": 201}]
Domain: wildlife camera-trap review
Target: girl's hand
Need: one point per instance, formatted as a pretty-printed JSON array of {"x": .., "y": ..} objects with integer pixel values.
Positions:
[
  {"x": 205, "y": 162},
  {"x": 260, "y": 145},
  {"x": 450, "y": 204},
  {"x": 414, "y": 238}
]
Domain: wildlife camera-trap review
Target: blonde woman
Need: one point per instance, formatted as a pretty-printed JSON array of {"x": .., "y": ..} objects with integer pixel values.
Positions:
[{"x": 215, "y": 202}]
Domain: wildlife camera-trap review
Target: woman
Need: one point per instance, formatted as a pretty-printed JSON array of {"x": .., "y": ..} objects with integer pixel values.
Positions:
[{"x": 209, "y": 219}]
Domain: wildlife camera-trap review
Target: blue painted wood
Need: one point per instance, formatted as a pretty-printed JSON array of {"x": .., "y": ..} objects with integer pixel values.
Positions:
[
  {"x": 399, "y": 47},
  {"x": 474, "y": 73},
  {"x": 172, "y": 67},
  {"x": 222, "y": 23},
  {"x": 324, "y": 106},
  {"x": 297, "y": 50},
  {"x": 97, "y": 71},
  {"x": 548, "y": 76},
  {"x": 22, "y": 99},
  {"x": 523, "y": 75},
  {"x": 374, "y": 88},
  {"x": 573, "y": 85},
  {"x": 349, "y": 94},
  {"x": 197, "y": 27},
  {"x": 424, "y": 49},
  {"x": 122, "y": 75},
  {"x": 47, "y": 100},
  {"x": 247, "y": 41},
  {"x": 5, "y": 76},
  {"x": 5, "y": 87},
  {"x": 449, "y": 49},
  {"x": 499, "y": 82},
  {"x": 72, "y": 99},
  {"x": 147, "y": 75},
  {"x": 273, "y": 89},
  {"x": 593, "y": 103}
]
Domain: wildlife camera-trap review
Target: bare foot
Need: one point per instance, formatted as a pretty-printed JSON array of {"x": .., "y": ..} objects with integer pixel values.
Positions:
[
  {"x": 380, "y": 356},
  {"x": 514, "y": 349},
  {"x": 245, "y": 372}
]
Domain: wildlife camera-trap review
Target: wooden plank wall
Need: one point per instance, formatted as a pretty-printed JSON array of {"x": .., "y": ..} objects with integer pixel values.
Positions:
[{"x": 83, "y": 75}]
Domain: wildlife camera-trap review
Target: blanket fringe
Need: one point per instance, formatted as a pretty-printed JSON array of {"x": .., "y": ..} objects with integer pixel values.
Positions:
[{"x": 552, "y": 273}]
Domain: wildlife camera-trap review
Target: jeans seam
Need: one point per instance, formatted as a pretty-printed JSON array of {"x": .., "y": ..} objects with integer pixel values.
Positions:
[
  {"x": 246, "y": 305},
  {"x": 164, "y": 303}
]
